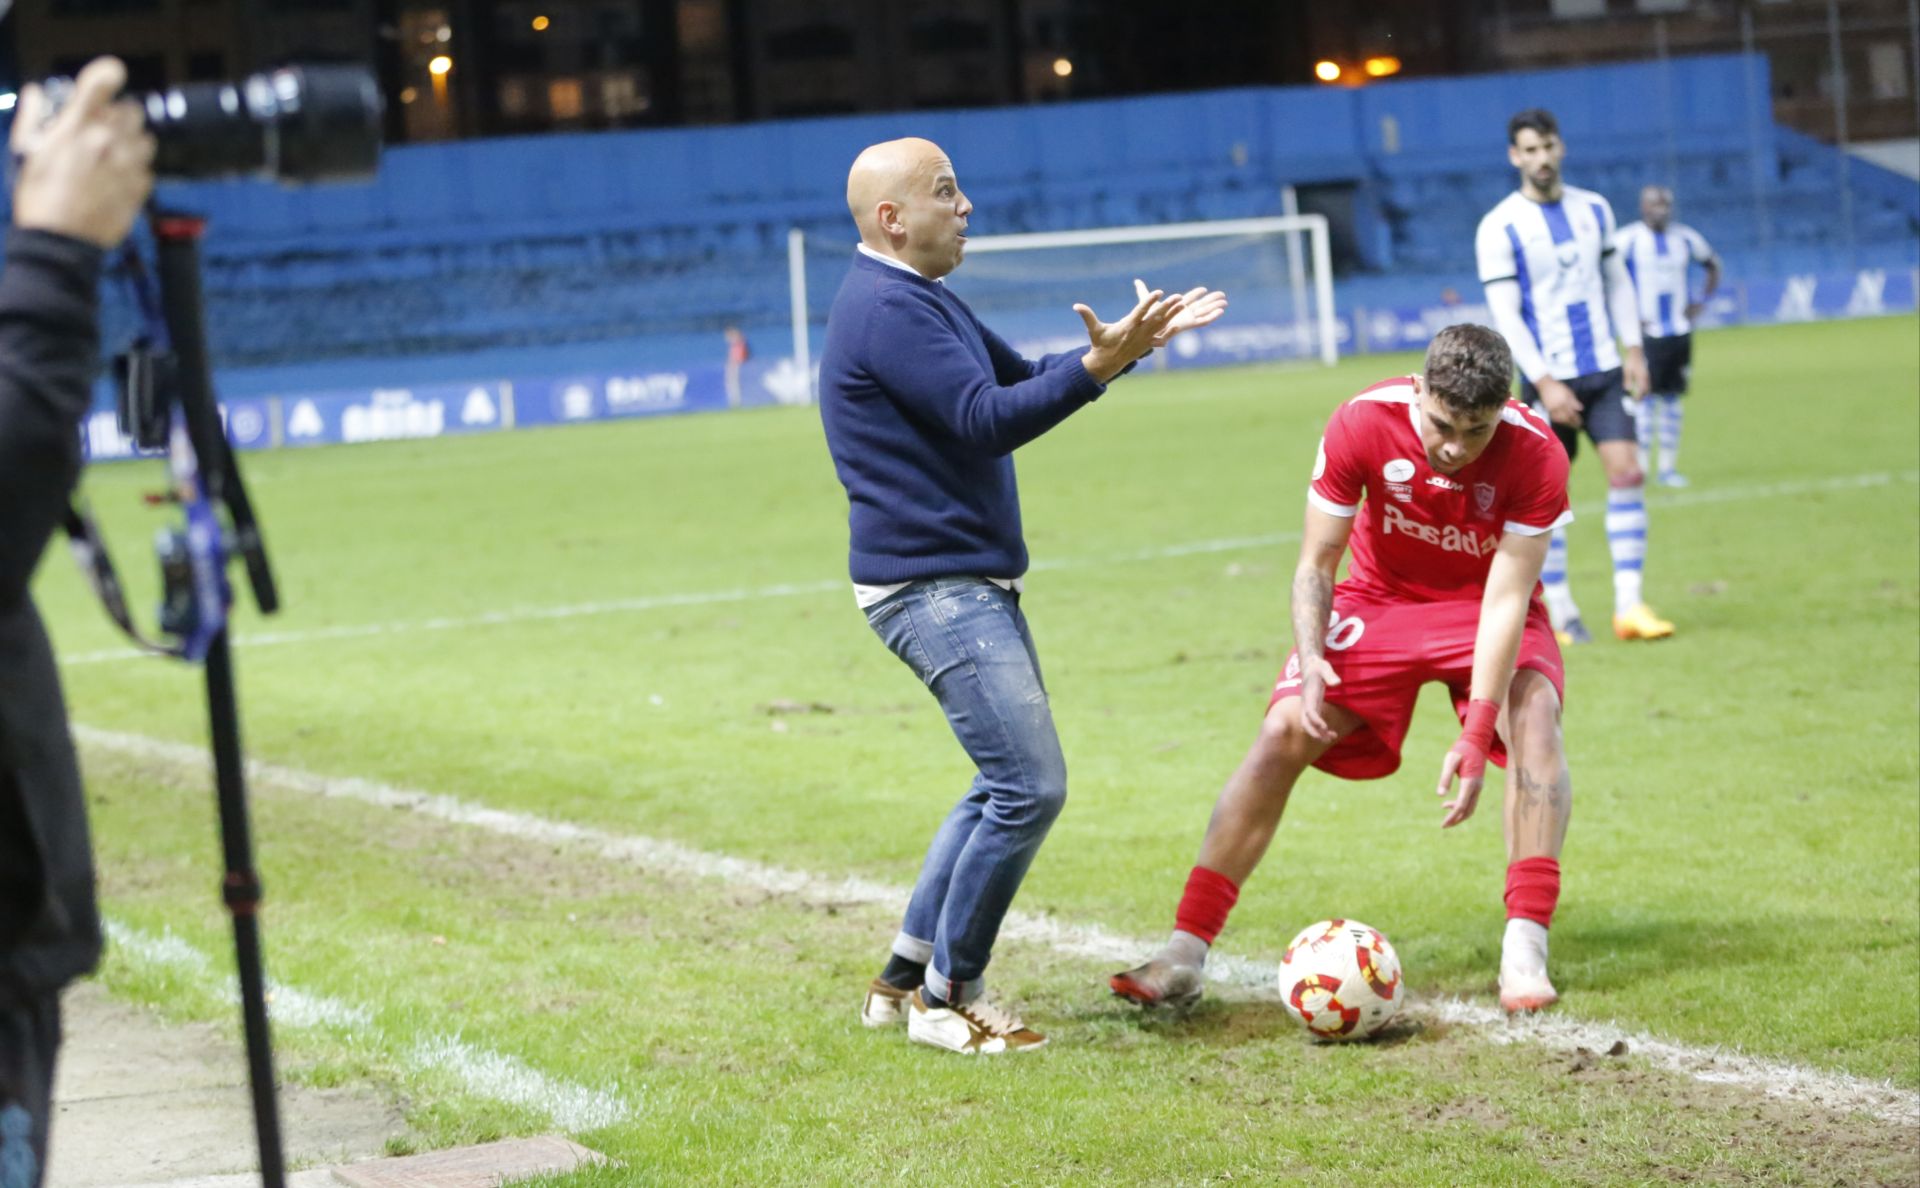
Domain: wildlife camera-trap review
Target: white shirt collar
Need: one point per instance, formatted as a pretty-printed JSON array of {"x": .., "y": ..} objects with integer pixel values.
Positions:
[{"x": 902, "y": 265}]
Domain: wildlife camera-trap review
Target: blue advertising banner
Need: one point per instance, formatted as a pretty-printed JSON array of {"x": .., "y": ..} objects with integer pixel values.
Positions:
[
  {"x": 1811, "y": 297},
  {"x": 249, "y": 427},
  {"x": 445, "y": 409},
  {"x": 549, "y": 400},
  {"x": 1805, "y": 298},
  {"x": 249, "y": 424},
  {"x": 393, "y": 414},
  {"x": 1226, "y": 342},
  {"x": 1223, "y": 343},
  {"x": 102, "y": 441}
]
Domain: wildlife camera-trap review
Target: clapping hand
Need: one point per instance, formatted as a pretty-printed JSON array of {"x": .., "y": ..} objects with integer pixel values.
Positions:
[
  {"x": 1114, "y": 345},
  {"x": 1200, "y": 308}
]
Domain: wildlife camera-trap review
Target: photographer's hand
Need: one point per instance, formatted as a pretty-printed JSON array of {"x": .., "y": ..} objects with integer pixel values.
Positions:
[{"x": 86, "y": 172}]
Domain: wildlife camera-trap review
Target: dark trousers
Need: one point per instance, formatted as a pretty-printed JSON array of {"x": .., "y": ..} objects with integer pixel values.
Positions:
[{"x": 29, "y": 1038}]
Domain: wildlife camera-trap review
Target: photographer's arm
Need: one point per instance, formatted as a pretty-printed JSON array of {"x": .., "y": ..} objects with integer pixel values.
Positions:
[
  {"x": 83, "y": 175},
  {"x": 49, "y": 348}
]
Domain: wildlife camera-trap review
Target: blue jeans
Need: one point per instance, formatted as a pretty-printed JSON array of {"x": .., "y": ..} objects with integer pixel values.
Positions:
[{"x": 967, "y": 641}]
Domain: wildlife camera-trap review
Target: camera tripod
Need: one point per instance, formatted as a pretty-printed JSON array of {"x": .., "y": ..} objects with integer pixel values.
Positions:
[{"x": 211, "y": 479}]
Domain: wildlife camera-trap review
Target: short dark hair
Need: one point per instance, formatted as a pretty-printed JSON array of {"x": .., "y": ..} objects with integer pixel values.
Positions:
[
  {"x": 1469, "y": 368},
  {"x": 1537, "y": 118}
]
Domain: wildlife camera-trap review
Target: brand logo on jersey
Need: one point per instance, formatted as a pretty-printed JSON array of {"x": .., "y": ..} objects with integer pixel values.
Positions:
[
  {"x": 1443, "y": 482},
  {"x": 1398, "y": 471},
  {"x": 1401, "y": 491},
  {"x": 1450, "y": 538},
  {"x": 1483, "y": 497}
]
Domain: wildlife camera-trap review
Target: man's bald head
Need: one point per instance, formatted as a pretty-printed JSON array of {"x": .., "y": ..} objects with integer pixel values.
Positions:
[
  {"x": 906, "y": 201},
  {"x": 885, "y": 172}
]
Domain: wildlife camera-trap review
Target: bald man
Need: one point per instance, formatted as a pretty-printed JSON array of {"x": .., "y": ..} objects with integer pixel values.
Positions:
[{"x": 923, "y": 408}]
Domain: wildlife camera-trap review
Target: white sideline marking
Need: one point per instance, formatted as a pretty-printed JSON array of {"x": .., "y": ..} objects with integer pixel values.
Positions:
[
  {"x": 492, "y": 618},
  {"x": 492, "y": 1074},
  {"x": 1252, "y": 978},
  {"x": 1229, "y": 544},
  {"x": 480, "y": 1072}
]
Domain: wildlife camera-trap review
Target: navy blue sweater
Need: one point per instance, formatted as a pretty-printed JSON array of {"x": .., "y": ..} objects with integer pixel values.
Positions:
[{"x": 923, "y": 408}]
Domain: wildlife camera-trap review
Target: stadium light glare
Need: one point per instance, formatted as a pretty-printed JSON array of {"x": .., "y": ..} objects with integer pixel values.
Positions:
[
  {"x": 7, "y": 100},
  {"x": 1383, "y": 65},
  {"x": 1326, "y": 71},
  {"x": 1062, "y": 67},
  {"x": 439, "y": 65},
  {"x": 540, "y": 24}
]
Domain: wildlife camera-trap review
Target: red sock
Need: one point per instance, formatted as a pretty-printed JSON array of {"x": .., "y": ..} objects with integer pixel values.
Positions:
[
  {"x": 1533, "y": 890},
  {"x": 1210, "y": 895}
]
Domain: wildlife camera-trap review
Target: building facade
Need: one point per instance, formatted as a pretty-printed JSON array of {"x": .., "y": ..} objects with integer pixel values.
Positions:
[{"x": 455, "y": 68}]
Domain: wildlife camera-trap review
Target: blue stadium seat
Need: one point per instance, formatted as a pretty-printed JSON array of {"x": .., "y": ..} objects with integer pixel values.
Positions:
[{"x": 543, "y": 241}]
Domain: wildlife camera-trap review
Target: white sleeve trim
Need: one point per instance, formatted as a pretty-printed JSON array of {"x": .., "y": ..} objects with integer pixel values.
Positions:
[
  {"x": 1519, "y": 529},
  {"x": 1344, "y": 511}
]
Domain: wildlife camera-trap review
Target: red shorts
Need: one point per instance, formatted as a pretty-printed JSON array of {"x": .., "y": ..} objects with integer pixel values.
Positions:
[{"x": 1383, "y": 651}]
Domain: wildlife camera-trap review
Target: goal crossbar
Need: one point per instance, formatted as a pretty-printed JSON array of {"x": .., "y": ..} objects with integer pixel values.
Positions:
[{"x": 1313, "y": 226}]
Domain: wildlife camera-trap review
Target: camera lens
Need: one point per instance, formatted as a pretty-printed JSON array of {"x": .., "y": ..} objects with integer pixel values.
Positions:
[{"x": 298, "y": 124}]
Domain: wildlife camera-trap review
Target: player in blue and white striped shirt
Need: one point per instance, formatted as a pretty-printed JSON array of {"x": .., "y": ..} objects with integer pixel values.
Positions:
[
  {"x": 1560, "y": 295},
  {"x": 1660, "y": 255}
]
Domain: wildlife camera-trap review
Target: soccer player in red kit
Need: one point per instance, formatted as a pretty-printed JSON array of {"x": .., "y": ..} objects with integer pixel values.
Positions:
[{"x": 1448, "y": 492}]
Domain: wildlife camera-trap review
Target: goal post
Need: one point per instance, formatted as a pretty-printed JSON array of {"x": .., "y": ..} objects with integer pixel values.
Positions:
[{"x": 1276, "y": 271}]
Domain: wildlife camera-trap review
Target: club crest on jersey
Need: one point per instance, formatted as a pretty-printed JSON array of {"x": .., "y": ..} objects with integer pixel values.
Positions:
[
  {"x": 1397, "y": 471},
  {"x": 1483, "y": 497}
]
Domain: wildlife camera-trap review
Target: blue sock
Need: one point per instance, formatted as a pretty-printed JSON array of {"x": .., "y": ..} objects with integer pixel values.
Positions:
[
  {"x": 1670, "y": 415},
  {"x": 1553, "y": 577},
  {"x": 1627, "y": 541}
]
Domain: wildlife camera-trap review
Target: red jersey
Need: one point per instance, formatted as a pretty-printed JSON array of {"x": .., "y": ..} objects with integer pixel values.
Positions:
[{"x": 1424, "y": 536}]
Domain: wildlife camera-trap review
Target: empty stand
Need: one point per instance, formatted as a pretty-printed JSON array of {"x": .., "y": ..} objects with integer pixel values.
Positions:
[{"x": 664, "y": 237}]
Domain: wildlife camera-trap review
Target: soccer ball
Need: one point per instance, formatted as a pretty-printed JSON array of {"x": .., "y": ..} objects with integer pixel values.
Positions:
[{"x": 1342, "y": 979}]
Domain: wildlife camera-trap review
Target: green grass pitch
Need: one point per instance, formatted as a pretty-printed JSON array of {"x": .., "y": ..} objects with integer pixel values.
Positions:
[{"x": 1743, "y": 868}]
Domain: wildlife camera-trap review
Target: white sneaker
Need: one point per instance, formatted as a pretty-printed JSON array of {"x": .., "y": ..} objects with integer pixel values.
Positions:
[
  {"x": 1523, "y": 969},
  {"x": 885, "y": 1005},
  {"x": 980, "y": 1027},
  {"x": 1160, "y": 983},
  {"x": 1526, "y": 992}
]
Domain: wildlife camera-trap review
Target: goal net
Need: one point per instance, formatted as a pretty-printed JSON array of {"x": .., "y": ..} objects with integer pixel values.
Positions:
[{"x": 1275, "y": 271}]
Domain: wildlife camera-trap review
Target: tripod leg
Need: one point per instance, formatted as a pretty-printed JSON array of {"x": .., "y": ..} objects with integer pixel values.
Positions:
[{"x": 242, "y": 893}]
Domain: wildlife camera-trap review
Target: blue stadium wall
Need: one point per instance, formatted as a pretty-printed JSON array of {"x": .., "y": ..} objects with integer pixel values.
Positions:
[{"x": 486, "y": 284}]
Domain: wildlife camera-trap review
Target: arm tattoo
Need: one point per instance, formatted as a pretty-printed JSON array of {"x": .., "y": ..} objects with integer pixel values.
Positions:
[{"x": 1312, "y": 606}]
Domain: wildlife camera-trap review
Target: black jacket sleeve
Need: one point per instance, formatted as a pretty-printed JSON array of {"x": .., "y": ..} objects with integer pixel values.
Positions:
[
  {"x": 49, "y": 342},
  {"x": 49, "y": 349}
]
